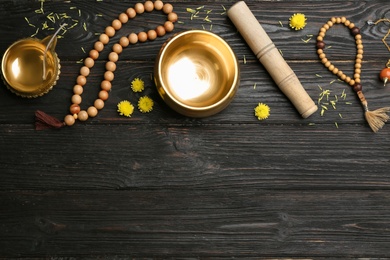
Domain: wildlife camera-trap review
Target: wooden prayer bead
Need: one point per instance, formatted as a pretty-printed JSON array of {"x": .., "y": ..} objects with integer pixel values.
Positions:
[
  {"x": 355, "y": 31},
  {"x": 76, "y": 99},
  {"x": 160, "y": 30},
  {"x": 113, "y": 56},
  {"x": 131, "y": 13},
  {"x": 116, "y": 24},
  {"x": 69, "y": 120},
  {"x": 81, "y": 80},
  {"x": 123, "y": 18},
  {"x": 104, "y": 38},
  {"x": 92, "y": 111},
  {"x": 320, "y": 45},
  {"x": 84, "y": 71},
  {"x": 117, "y": 48},
  {"x": 74, "y": 109},
  {"x": 103, "y": 95},
  {"x": 124, "y": 42},
  {"x": 139, "y": 8},
  {"x": 152, "y": 35},
  {"x": 158, "y": 5},
  {"x": 77, "y": 89},
  {"x": 110, "y": 31},
  {"x": 83, "y": 115},
  {"x": 357, "y": 87},
  {"x": 99, "y": 104},
  {"x": 108, "y": 75},
  {"x": 133, "y": 38},
  {"x": 106, "y": 85},
  {"x": 168, "y": 26},
  {"x": 167, "y": 8},
  {"x": 99, "y": 46},
  {"x": 89, "y": 62},
  {"x": 94, "y": 54},
  {"x": 110, "y": 66},
  {"x": 142, "y": 36},
  {"x": 172, "y": 17},
  {"x": 149, "y": 6}
]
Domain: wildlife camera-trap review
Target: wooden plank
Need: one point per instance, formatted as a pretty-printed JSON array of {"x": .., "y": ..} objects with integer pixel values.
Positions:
[
  {"x": 195, "y": 223},
  {"x": 156, "y": 156}
]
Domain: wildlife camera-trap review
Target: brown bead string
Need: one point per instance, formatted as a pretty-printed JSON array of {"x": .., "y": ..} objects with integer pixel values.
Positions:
[
  {"x": 133, "y": 38},
  {"x": 355, "y": 31},
  {"x": 377, "y": 118}
]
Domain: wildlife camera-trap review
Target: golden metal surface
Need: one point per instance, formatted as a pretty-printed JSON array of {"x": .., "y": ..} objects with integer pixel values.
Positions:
[
  {"x": 197, "y": 73},
  {"x": 22, "y": 67}
]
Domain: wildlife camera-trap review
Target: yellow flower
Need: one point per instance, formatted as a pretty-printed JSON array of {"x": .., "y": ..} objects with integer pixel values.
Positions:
[
  {"x": 125, "y": 108},
  {"x": 137, "y": 85},
  {"x": 262, "y": 111},
  {"x": 298, "y": 21},
  {"x": 145, "y": 104}
]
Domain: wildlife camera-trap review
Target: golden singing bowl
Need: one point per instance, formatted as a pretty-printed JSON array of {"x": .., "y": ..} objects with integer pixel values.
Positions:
[
  {"x": 22, "y": 68},
  {"x": 197, "y": 73}
]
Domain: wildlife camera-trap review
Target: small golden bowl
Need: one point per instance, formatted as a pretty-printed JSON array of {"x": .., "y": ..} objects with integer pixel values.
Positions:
[
  {"x": 23, "y": 71},
  {"x": 197, "y": 73}
]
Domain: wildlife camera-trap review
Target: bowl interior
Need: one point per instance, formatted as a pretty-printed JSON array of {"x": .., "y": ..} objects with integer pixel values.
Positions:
[
  {"x": 22, "y": 67},
  {"x": 198, "y": 69}
]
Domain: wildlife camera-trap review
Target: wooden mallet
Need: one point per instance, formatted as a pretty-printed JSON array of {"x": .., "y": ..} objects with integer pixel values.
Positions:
[{"x": 265, "y": 50}]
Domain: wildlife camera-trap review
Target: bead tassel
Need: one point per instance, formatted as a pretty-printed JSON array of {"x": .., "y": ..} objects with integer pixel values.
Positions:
[
  {"x": 377, "y": 118},
  {"x": 44, "y": 121}
]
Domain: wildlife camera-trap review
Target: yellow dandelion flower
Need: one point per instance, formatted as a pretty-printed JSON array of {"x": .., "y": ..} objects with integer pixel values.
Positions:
[
  {"x": 137, "y": 85},
  {"x": 125, "y": 108},
  {"x": 262, "y": 111},
  {"x": 298, "y": 21},
  {"x": 145, "y": 104}
]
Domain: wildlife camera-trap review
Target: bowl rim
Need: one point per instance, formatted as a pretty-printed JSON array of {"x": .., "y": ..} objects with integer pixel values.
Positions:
[{"x": 233, "y": 86}]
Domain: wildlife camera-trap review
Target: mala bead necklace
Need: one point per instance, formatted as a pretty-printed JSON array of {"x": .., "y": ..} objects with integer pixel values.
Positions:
[
  {"x": 376, "y": 119},
  {"x": 44, "y": 120}
]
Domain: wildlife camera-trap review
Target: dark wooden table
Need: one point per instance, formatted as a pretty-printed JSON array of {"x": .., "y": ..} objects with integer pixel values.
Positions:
[{"x": 164, "y": 185}]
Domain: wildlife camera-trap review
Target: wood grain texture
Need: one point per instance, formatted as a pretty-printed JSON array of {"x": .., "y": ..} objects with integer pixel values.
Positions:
[
  {"x": 161, "y": 185},
  {"x": 218, "y": 223}
]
